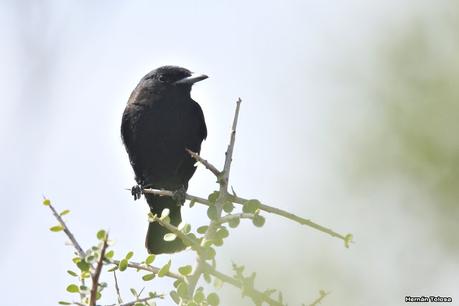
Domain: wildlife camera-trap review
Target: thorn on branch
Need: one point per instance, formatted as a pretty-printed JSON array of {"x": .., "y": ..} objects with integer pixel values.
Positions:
[
  {"x": 206, "y": 163},
  {"x": 117, "y": 288},
  {"x": 323, "y": 294},
  {"x": 95, "y": 276},
  {"x": 66, "y": 230}
]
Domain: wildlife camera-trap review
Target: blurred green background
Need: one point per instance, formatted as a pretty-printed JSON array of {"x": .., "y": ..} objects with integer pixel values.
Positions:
[{"x": 349, "y": 117}]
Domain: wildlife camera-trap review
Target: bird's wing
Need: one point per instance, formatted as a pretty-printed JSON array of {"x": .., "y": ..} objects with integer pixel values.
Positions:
[{"x": 203, "y": 128}]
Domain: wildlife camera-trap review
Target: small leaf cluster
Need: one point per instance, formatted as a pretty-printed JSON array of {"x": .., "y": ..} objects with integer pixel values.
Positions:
[
  {"x": 180, "y": 296},
  {"x": 85, "y": 267}
]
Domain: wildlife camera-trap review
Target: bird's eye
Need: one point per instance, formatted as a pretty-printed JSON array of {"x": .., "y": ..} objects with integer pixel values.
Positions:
[{"x": 162, "y": 78}]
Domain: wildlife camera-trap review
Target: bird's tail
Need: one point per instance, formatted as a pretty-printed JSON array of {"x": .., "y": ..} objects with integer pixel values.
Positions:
[{"x": 154, "y": 241}]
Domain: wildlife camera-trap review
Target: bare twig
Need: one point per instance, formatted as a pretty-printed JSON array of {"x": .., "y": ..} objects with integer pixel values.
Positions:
[
  {"x": 229, "y": 151},
  {"x": 120, "y": 300},
  {"x": 66, "y": 230},
  {"x": 206, "y": 163},
  {"x": 95, "y": 276}
]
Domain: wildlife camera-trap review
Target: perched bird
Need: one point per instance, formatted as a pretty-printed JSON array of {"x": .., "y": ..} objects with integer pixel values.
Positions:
[{"x": 159, "y": 122}]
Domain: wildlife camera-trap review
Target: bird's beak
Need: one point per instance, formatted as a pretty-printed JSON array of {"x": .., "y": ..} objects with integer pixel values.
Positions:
[{"x": 192, "y": 79}]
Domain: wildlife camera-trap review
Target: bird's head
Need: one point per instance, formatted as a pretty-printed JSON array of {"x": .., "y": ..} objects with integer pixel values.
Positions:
[{"x": 172, "y": 78}]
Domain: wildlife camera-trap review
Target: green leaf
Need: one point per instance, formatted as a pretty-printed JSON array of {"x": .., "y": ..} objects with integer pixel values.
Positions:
[
  {"x": 150, "y": 259},
  {"x": 46, "y": 202},
  {"x": 218, "y": 283},
  {"x": 152, "y": 294},
  {"x": 207, "y": 278},
  {"x": 109, "y": 254},
  {"x": 182, "y": 289},
  {"x": 202, "y": 229},
  {"x": 169, "y": 237},
  {"x": 348, "y": 240},
  {"x": 123, "y": 265},
  {"x": 222, "y": 233},
  {"x": 213, "y": 197},
  {"x": 101, "y": 235},
  {"x": 184, "y": 227},
  {"x": 151, "y": 217},
  {"x": 234, "y": 222},
  {"x": 213, "y": 299},
  {"x": 134, "y": 292},
  {"x": 83, "y": 288},
  {"x": 114, "y": 268},
  {"x": 56, "y": 228},
  {"x": 212, "y": 213},
  {"x": 165, "y": 269},
  {"x": 73, "y": 288},
  {"x": 64, "y": 212},
  {"x": 83, "y": 265},
  {"x": 85, "y": 274},
  {"x": 251, "y": 206},
  {"x": 148, "y": 277},
  {"x": 175, "y": 297},
  {"x": 64, "y": 303},
  {"x": 208, "y": 253},
  {"x": 76, "y": 259},
  {"x": 164, "y": 213},
  {"x": 129, "y": 255},
  {"x": 185, "y": 270},
  {"x": 72, "y": 273},
  {"x": 176, "y": 283},
  {"x": 258, "y": 221},
  {"x": 217, "y": 241},
  {"x": 207, "y": 243},
  {"x": 228, "y": 207},
  {"x": 199, "y": 296}
]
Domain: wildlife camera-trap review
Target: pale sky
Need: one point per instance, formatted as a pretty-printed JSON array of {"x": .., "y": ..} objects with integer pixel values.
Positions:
[{"x": 68, "y": 70}]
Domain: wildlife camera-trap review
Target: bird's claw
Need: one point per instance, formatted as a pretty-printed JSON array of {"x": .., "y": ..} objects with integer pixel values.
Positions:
[
  {"x": 136, "y": 192},
  {"x": 180, "y": 195}
]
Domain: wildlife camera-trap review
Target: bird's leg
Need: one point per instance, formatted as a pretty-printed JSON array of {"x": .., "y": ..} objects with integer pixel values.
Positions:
[
  {"x": 137, "y": 192},
  {"x": 180, "y": 195}
]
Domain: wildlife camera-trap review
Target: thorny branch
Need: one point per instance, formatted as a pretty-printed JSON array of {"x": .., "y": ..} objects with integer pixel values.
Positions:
[
  {"x": 117, "y": 288},
  {"x": 95, "y": 276},
  {"x": 143, "y": 267},
  {"x": 250, "y": 292},
  {"x": 207, "y": 164},
  {"x": 202, "y": 266},
  {"x": 263, "y": 207},
  {"x": 66, "y": 230},
  {"x": 223, "y": 195},
  {"x": 98, "y": 269},
  {"x": 223, "y": 179}
]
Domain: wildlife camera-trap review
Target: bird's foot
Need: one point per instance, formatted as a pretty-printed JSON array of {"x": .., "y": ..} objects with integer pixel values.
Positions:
[
  {"x": 180, "y": 195},
  {"x": 136, "y": 192}
]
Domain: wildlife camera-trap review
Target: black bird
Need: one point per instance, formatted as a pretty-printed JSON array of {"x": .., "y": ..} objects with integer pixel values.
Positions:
[{"x": 161, "y": 121}]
